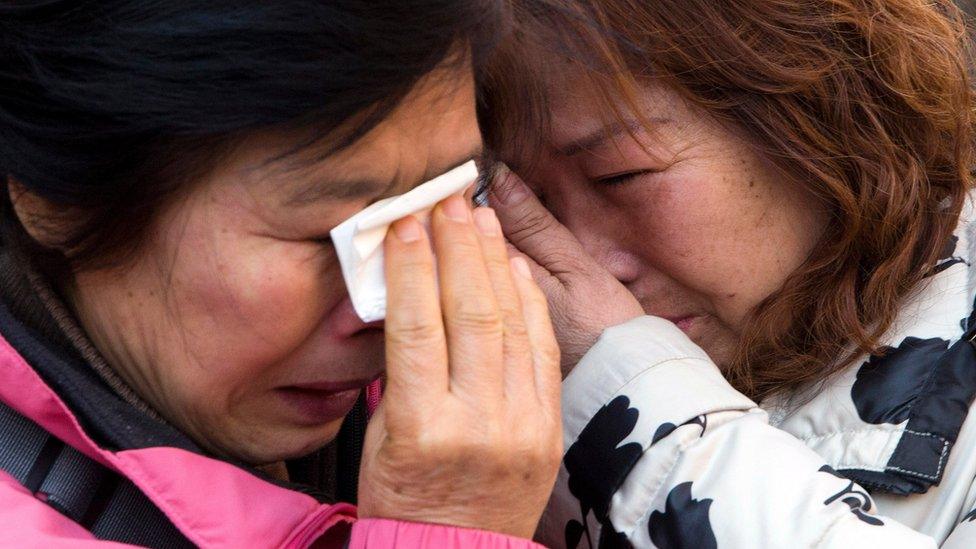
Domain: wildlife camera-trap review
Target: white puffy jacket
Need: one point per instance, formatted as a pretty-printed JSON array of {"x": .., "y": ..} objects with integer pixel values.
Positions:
[{"x": 662, "y": 452}]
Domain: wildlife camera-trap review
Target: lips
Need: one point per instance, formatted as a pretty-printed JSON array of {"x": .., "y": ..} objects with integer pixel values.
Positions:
[
  {"x": 322, "y": 402},
  {"x": 333, "y": 386},
  {"x": 684, "y": 322}
]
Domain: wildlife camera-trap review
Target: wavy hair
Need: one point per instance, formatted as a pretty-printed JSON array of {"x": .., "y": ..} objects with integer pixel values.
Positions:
[{"x": 868, "y": 103}]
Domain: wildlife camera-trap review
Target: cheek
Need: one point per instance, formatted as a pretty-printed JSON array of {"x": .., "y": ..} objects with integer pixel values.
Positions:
[
  {"x": 261, "y": 300},
  {"x": 730, "y": 239}
]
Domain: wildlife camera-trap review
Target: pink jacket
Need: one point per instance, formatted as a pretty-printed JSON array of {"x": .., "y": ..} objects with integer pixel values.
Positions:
[{"x": 213, "y": 503}]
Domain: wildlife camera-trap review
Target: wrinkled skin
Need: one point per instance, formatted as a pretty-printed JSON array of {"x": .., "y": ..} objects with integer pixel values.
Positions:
[
  {"x": 236, "y": 306},
  {"x": 473, "y": 383},
  {"x": 686, "y": 216}
]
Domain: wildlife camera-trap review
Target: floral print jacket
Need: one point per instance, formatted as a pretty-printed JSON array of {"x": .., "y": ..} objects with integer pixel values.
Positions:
[{"x": 662, "y": 452}]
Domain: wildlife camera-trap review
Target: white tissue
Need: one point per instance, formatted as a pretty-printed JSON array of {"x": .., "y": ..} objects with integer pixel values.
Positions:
[{"x": 359, "y": 240}]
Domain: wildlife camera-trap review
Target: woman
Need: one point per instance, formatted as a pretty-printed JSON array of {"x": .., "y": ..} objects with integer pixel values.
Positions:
[
  {"x": 785, "y": 188},
  {"x": 178, "y": 350}
]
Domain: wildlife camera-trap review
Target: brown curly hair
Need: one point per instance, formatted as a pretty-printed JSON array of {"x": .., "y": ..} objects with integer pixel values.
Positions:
[{"x": 866, "y": 102}]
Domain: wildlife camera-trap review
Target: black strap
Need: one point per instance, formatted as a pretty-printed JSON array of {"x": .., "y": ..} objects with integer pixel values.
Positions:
[
  {"x": 105, "y": 503},
  {"x": 350, "y": 452}
]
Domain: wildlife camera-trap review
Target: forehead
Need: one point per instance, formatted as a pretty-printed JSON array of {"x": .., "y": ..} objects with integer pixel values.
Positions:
[
  {"x": 432, "y": 130},
  {"x": 581, "y": 118},
  {"x": 582, "y": 109}
]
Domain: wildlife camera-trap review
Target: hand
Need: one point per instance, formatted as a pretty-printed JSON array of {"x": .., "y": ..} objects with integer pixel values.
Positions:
[
  {"x": 469, "y": 430},
  {"x": 584, "y": 298}
]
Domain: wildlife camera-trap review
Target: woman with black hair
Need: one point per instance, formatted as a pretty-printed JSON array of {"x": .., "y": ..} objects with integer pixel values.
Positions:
[{"x": 179, "y": 357}]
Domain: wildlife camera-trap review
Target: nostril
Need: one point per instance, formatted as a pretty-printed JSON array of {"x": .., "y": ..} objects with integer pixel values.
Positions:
[{"x": 374, "y": 325}]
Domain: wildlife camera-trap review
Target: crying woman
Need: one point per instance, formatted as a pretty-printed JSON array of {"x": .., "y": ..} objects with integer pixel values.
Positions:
[{"x": 754, "y": 225}]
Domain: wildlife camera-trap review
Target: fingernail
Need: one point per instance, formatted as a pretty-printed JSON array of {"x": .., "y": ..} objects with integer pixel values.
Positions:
[
  {"x": 486, "y": 221},
  {"x": 511, "y": 190},
  {"x": 407, "y": 229},
  {"x": 455, "y": 208},
  {"x": 520, "y": 266}
]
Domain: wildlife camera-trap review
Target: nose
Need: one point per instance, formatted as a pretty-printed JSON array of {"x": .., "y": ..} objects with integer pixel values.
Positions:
[
  {"x": 623, "y": 265},
  {"x": 606, "y": 242}
]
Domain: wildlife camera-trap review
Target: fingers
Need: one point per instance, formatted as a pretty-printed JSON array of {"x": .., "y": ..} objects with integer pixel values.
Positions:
[
  {"x": 550, "y": 285},
  {"x": 516, "y": 351},
  {"x": 483, "y": 331},
  {"x": 530, "y": 227},
  {"x": 472, "y": 319},
  {"x": 416, "y": 347},
  {"x": 542, "y": 340}
]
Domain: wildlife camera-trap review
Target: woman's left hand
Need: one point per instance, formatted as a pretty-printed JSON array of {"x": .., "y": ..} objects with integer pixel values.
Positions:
[{"x": 584, "y": 298}]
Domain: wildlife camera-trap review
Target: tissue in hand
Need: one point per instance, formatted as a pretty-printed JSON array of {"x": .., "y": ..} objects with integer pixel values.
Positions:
[{"x": 359, "y": 240}]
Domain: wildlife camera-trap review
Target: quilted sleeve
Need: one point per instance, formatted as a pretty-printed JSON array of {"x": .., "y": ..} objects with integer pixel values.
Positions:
[{"x": 663, "y": 452}]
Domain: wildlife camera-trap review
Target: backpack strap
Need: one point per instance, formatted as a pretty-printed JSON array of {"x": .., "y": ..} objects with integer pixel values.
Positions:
[{"x": 105, "y": 503}]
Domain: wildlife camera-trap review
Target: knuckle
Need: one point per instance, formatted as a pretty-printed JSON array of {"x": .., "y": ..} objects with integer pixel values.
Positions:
[
  {"x": 547, "y": 353},
  {"x": 531, "y": 225},
  {"x": 497, "y": 261},
  {"x": 462, "y": 243},
  {"x": 413, "y": 335},
  {"x": 410, "y": 258},
  {"x": 458, "y": 448},
  {"x": 409, "y": 276},
  {"x": 515, "y": 330},
  {"x": 473, "y": 314},
  {"x": 431, "y": 444}
]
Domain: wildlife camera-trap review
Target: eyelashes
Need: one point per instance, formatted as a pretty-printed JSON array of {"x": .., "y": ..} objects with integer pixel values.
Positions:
[
  {"x": 488, "y": 170},
  {"x": 623, "y": 178},
  {"x": 486, "y": 174}
]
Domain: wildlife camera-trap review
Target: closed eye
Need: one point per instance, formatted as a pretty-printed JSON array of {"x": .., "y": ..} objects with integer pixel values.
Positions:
[{"x": 622, "y": 178}]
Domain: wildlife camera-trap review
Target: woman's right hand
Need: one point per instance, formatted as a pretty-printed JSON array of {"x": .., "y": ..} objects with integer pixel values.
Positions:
[{"x": 469, "y": 431}]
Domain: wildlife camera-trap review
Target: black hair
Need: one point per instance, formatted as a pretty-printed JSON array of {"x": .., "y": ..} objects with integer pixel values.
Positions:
[{"x": 104, "y": 105}]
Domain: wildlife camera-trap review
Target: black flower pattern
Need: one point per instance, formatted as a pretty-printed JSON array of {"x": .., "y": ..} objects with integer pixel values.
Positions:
[
  {"x": 857, "y": 500},
  {"x": 970, "y": 516},
  {"x": 612, "y": 539},
  {"x": 887, "y": 385},
  {"x": 662, "y": 431},
  {"x": 597, "y": 465},
  {"x": 701, "y": 421},
  {"x": 948, "y": 258},
  {"x": 573, "y": 533},
  {"x": 684, "y": 524}
]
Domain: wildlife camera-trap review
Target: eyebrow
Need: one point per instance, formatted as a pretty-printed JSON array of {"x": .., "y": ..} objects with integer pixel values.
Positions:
[
  {"x": 598, "y": 137},
  {"x": 321, "y": 189}
]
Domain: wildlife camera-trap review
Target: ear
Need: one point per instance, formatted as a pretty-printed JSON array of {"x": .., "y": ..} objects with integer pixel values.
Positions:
[{"x": 43, "y": 220}]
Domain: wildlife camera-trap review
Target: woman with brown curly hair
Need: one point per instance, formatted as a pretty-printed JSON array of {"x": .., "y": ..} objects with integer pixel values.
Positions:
[{"x": 784, "y": 188}]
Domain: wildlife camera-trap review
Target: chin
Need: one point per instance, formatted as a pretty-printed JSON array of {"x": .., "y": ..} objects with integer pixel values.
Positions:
[
  {"x": 718, "y": 342},
  {"x": 721, "y": 352},
  {"x": 279, "y": 444}
]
